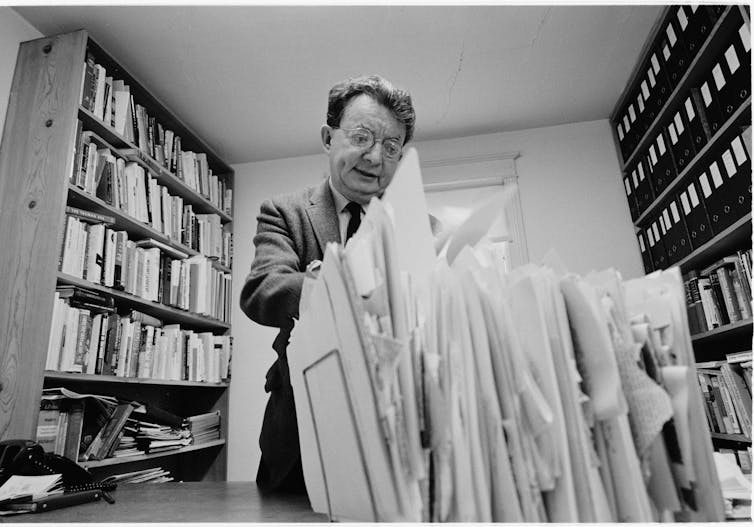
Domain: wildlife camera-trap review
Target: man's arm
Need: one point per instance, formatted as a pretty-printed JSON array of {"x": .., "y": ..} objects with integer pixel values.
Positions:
[{"x": 272, "y": 290}]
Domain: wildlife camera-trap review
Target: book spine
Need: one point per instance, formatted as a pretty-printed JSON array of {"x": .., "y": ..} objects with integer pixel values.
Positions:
[
  {"x": 730, "y": 412},
  {"x": 718, "y": 299},
  {"x": 728, "y": 295},
  {"x": 741, "y": 404}
]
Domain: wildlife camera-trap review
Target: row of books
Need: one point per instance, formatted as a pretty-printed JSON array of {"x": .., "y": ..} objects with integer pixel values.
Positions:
[
  {"x": 707, "y": 202},
  {"x": 726, "y": 385},
  {"x": 88, "y": 427},
  {"x": 684, "y": 32},
  {"x": 720, "y": 294},
  {"x": 147, "y": 475},
  {"x": 145, "y": 268},
  {"x": 97, "y": 340},
  {"x": 111, "y": 101},
  {"x": 128, "y": 187}
]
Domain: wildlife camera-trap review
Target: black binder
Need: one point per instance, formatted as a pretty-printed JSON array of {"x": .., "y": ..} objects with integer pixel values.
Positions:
[
  {"x": 681, "y": 140},
  {"x": 677, "y": 244},
  {"x": 692, "y": 115},
  {"x": 629, "y": 189},
  {"x": 711, "y": 96},
  {"x": 662, "y": 170},
  {"x": 643, "y": 191},
  {"x": 695, "y": 23},
  {"x": 656, "y": 244},
  {"x": 726, "y": 185},
  {"x": 694, "y": 212},
  {"x": 673, "y": 50},
  {"x": 736, "y": 65},
  {"x": 646, "y": 258}
]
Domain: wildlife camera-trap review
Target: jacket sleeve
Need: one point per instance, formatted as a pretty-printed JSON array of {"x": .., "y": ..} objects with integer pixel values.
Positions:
[{"x": 272, "y": 290}]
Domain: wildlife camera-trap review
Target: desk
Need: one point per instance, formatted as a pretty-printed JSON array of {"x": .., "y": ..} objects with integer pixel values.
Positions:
[{"x": 210, "y": 501}]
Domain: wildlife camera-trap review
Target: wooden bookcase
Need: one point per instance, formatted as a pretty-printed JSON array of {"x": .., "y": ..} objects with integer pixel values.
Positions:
[
  {"x": 684, "y": 71},
  {"x": 36, "y": 160}
]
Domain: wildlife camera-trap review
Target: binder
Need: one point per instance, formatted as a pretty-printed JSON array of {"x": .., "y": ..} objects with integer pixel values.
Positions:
[
  {"x": 629, "y": 189},
  {"x": 694, "y": 212},
  {"x": 695, "y": 25},
  {"x": 736, "y": 64},
  {"x": 646, "y": 258},
  {"x": 692, "y": 117},
  {"x": 656, "y": 245},
  {"x": 643, "y": 191},
  {"x": 677, "y": 242},
  {"x": 646, "y": 89},
  {"x": 678, "y": 132},
  {"x": 658, "y": 80},
  {"x": 711, "y": 97},
  {"x": 735, "y": 168},
  {"x": 673, "y": 50},
  {"x": 660, "y": 162}
]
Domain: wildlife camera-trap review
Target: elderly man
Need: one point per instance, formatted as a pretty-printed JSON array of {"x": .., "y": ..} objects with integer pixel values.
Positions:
[{"x": 368, "y": 123}]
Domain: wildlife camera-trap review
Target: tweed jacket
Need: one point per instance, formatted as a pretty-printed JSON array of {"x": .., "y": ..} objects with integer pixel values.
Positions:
[{"x": 292, "y": 230}]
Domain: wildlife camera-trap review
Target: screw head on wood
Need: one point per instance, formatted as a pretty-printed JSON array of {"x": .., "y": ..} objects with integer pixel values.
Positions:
[{"x": 47, "y": 48}]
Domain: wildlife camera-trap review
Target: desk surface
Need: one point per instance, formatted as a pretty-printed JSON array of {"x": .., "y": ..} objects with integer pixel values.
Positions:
[{"x": 182, "y": 502}]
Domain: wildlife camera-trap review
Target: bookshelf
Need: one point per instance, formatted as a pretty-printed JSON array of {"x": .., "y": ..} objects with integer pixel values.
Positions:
[
  {"x": 38, "y": 156},
  {"x": 682, "y": 130}
]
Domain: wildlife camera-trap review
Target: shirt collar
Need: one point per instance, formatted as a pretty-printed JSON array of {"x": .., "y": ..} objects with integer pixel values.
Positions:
[{"x": 340, "y": 200}]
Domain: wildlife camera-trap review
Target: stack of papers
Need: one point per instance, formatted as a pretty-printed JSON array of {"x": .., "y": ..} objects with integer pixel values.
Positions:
[{"x": 448, "y": 389}]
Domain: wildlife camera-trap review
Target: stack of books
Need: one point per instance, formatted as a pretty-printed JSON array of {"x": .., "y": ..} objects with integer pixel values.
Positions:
[
  {"x": 204, "y": 427},
  {"x": 149, "y": 475}
]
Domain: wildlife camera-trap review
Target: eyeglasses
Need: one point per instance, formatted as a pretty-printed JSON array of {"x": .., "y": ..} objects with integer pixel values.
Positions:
[{"x": 364, "y": 138}]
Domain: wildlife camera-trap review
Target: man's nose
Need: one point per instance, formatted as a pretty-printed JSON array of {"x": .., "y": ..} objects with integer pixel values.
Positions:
[{"x": 374, "y": 154}]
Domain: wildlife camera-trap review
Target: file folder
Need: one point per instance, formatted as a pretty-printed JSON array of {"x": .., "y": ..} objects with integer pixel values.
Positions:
[
  {"x": 694, "y": 212},
  {"x": 695, "y": 25}
]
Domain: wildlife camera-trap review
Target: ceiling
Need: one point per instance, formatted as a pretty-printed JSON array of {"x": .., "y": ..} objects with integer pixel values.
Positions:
[{"x": 253, "y": 80}]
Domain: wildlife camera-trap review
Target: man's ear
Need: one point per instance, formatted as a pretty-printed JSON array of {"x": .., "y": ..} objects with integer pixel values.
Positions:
[{"x": 326, "y": 133}]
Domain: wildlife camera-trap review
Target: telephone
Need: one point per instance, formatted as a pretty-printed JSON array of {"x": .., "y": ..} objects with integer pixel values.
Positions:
[{"x": 23, "y": 457}]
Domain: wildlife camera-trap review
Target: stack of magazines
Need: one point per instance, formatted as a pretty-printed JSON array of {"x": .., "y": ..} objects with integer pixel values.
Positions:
[{"x": 446, "y": 388}]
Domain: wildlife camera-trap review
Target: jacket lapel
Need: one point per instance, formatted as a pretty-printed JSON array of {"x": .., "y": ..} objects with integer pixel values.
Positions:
[{"x": 323, "y": 216}]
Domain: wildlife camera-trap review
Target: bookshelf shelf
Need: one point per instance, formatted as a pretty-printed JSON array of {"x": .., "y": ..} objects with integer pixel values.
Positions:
[
  {"x": 740, "y": 116},
  {"x": 81, "y": 199},
  {"x": 712, "y": 46},
  {"x": 161, "y": 311},
  {"x": 93, "y": 379},
  {"x": 741, "y": 326},
  {"x": 142, "y": 457},
  {"x": 734, "y": 236},
  {"x": 61, "y": 78},
  {"x": 739, "y": 438}
]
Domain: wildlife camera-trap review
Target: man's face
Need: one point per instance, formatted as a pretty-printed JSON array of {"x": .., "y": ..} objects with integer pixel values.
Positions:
[{"x": 358, "y": 172}]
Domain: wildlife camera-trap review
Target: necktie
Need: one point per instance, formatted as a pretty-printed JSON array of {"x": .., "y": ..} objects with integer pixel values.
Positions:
[{"x": 353, "y": 224}]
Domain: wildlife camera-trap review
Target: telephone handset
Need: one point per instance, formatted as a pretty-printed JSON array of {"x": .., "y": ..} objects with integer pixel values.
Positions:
[{"x": 26, "y": 458}]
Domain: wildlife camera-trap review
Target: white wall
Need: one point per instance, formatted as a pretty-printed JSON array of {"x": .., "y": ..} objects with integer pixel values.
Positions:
[
  {"x": 572, "y": 198},
  {"x": 13, "y": 31}
]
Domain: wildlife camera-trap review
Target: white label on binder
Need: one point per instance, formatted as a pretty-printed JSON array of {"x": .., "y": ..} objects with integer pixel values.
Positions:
[
  {"x": 682, "y": 19},
  {"x": 717, "y": 74},
  {"x": 671, "y": 35},
  {"x": 640, "y": 103},
  {"x": 666, "y": 217},
  {"x": 626, "y": 124},
  {"x": 679, "y": 123},
  {"x": 627, "y": 184},
  {"x": 706, "y": 189},
  {"x": 641, "y": 243},
  {"x": 690, "y": 109},
  {"x": 706, "y": 94},
  {"x": 651, "y": 237},
  {"x": 717, "y": 177},
  {"x": 694, "y": 7},
  {"x": 666, "y": 52},
  {"x": 655, "y": 64},
  {"x": 653, "y": 155},
  {"x": 674, "y": 211},
  {"x": 738, "y": 151},
  {"x": 693, "y": 195},
  {"x": 673, "y": 136},
  {"x": 663, "y": 226},
  {"x": 655, "y": 231},
  {"x": 730, "y": 165},
  {"x": 661, "y": 144},
  {"x": 732, "y": 58},
  {"x": 652, "y": 80},
  {"x": 633, "y": 176},
  {"x": 620, "y": 131},
  {"x": 631, "y": 112},
  {"x": 641, "y": 172},
  {"x": 685, "y": 203},
  {"x": 645, "y": 89},
  {"x": 745, "y": 35}
]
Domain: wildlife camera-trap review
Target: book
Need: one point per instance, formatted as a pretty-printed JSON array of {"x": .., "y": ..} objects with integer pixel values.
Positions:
[
  {"x": 74, "y": 430},
  {"x": 48, "y": 422},
  {"x": 105, "y": 439}
]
